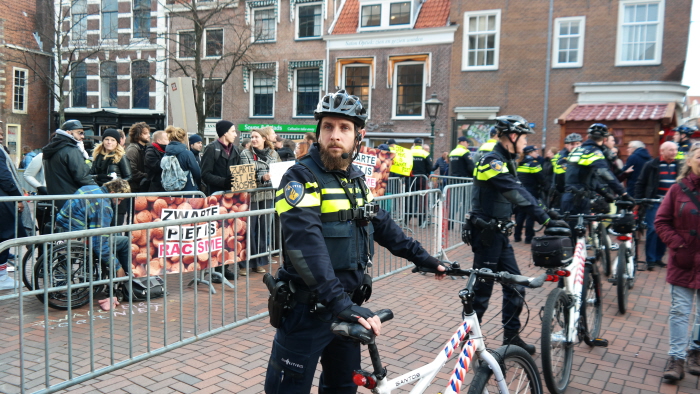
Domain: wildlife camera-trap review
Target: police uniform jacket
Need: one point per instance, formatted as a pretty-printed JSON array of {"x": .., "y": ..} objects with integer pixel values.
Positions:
[
  {"x": 683, "y": 149},
  {"x": 326, "y": 255},
  {"x": 484, "y": 149},
  {"x": 422, "y": 164},
  {"x": 497, "y": 189},
  {"x": 560, "y": 166},
  {"x": 461, "y": 163},
  {"x": 531, "y": 175},
  {"x": 588, "y": 170}
]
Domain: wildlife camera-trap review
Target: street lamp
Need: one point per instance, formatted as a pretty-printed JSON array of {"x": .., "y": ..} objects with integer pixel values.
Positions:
[{"x": 432, "y": 106}]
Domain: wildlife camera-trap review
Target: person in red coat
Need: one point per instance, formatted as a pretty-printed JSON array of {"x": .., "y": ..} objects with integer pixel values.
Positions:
[{"x": 678, "y": 225}]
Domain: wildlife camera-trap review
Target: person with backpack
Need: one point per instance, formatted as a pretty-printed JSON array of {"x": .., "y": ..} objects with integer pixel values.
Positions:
[
  {"x": 180, "y": 168},
  {"x": 262, "y": 154},
  {"x": 218, "y": 157}
]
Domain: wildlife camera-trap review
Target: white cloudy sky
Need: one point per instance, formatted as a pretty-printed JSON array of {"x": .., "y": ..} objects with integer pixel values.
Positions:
[{"x": 691, "y": 76}]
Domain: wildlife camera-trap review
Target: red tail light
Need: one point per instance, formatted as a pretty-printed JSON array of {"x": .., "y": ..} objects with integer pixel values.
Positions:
[
  {"x": 624, "y": 238},
  {"x": 564, "y": 273},
  {"x": 362, "y": 380},
  {"x": 552, "y": 278}
]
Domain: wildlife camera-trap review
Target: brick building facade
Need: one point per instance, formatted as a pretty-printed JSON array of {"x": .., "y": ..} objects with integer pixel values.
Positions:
[
  {"x": 500, "y": 62},
  {"x": 24, "y": 102},
  {"x": 113, "y": 53}
]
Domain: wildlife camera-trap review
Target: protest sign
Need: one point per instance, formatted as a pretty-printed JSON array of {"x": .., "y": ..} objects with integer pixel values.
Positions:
[
  {"x": 242, "y": 177},
  {"x": 375, "y": 164},
  {"x": 172, "y": 249},
  {"x": 403, "y": 161}
]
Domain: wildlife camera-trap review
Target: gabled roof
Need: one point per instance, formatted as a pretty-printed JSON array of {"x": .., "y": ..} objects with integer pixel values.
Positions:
[
  {"x": 618, "y": 112},
  {"x": 433, "y": 13}
]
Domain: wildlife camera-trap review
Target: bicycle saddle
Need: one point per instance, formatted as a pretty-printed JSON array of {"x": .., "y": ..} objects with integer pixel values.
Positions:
[
  {"x": 558, "y": 231},
  {"x": 356, "y": 331}
]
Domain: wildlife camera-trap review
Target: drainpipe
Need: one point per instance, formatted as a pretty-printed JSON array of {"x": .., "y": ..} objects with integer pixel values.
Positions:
[{"x": 548, "y": 68}]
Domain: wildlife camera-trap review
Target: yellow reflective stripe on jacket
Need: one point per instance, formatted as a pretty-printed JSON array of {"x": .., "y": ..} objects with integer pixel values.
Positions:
[
  {"x": 459, "y": 150},
  {"x": 589, "y": 158},
  {"x": 488, "y": 146},
  {"x": 486, "y": 172},
  {"x": 680, "y": 155},
  {"x": 309, "y": 199},
  {"x": 418, "y": 151},
  {"x": 559, "y": 169},
  {"x": 529, "y": 170},
  {"x": 555, "y": 159}
]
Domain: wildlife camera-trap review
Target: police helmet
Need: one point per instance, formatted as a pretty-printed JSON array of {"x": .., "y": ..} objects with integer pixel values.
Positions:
[
  {"x": 341, "y": 104},
  {"x": 687, "y": 130},
  {"x": 71, "y": 125},
  {"x": 573, "y": 137},
  {"x": 598, "y": 130},
  {"x": 512, "y": 124}
]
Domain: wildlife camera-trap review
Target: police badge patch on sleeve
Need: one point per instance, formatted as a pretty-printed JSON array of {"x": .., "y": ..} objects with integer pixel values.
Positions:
[
  {"x": 496, "y": 165},
  {"x": 293, "y": 193}
]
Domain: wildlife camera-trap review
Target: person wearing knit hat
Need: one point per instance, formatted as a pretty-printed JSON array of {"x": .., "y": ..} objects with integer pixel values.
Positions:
[
  {"x": 217, "y": 158},
  {"x": 196, "y": 147},
  {"x": 110, "y": 163}
]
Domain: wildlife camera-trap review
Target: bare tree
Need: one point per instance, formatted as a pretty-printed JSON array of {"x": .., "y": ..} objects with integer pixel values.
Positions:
[
  {"x": 203, "y": 58},
  {"x": 58, "y": 47}
]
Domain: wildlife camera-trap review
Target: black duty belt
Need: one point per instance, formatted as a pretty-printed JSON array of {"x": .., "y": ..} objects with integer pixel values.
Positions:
[
  {"x": 308, "y": 297},
  {"x": 365, "y": 212}
]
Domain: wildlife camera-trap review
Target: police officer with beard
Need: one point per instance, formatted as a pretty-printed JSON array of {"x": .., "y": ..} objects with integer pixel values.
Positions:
[
  {"x": 329, "y": 226},
  {"x": 496, "y": 191}
]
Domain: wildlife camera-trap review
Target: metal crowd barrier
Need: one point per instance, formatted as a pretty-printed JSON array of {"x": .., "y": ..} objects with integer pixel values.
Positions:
[
  {"x": 456, "y": 202},
  {"x": 48, "y": 350},
  {"x": 440, "y": 181}
]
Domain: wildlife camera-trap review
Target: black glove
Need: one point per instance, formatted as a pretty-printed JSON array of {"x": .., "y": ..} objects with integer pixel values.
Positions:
[
  {"x": 554, "y": 214},
  {"x": 102, "y": 178},
  {"x": 353, "y": 314},
  {"x": 41, "y": 190},
  {"x": 557, "y": 223},
  {"x": 609, "y": 198},
  {"x": 431, "y": 265},
  {"x": 627, "y": 197}
]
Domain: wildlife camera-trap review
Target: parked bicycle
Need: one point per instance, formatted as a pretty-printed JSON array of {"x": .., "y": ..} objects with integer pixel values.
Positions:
[
  {"x": 510, "y": 369},
  {"x": 574, "y": 308}
]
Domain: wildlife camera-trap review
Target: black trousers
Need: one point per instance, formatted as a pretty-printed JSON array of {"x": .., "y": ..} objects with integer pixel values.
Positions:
[
  {"x": 522, "y": 218},
  {"x": 494, "y": 251}
]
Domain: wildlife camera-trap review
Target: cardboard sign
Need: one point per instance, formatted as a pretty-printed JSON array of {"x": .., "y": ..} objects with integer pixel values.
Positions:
[
  {"x": 242, "y": 177},
  {"x": 375, "y": 164},
  {"x": 403, "y": 161}
]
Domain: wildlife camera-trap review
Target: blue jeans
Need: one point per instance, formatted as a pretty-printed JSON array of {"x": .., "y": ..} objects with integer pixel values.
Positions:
[
  {"x": 655, "y": 247},
  {"x": 681, "y": 307}
]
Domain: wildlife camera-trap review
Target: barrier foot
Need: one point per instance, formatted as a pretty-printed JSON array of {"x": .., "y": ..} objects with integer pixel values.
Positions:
[{"x": 216, "y": 277}]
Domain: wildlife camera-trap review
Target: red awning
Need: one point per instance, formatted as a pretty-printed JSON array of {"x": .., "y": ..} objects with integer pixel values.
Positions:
[{"x": 618, "y": 112}]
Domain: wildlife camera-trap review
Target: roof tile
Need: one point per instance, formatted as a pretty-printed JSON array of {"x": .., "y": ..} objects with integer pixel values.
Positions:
[
  {"x": 616, "y": 112},
  {"x": 433, "y": 13},
  {"x": 349, "y": 18}
]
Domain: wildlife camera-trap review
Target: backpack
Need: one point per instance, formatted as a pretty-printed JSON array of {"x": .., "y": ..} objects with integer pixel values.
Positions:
[
  {"x": 174, "y": 177},
  {"x": 139, "y": 288}
]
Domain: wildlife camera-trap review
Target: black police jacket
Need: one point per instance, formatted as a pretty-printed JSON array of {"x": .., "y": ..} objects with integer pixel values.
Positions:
[
  {"x": 531, "y": 175},
  {"x": 497, "y": 189},
  {"x": 329, "y": 258},
  {"x": 589, "y": 171}
]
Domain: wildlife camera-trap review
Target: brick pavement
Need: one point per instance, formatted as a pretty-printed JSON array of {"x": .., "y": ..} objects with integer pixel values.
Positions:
[{"x": 426, "y": 313}]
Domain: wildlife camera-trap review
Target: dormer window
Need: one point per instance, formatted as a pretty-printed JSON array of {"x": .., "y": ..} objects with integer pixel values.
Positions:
[{"x": 385, "y": 15}]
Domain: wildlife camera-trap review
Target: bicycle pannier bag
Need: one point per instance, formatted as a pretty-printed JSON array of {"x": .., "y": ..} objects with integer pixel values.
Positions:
[
  {"x": 624, "y": 225},
  {"x": 139, "y": 288},
  {"x": 552, "y": 251},
  {"x": 173, "y": 178}
]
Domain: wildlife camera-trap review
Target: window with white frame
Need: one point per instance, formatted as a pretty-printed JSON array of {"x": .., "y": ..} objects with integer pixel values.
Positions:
[
  {"x": 400, "y": 13},
  {"x": 568, "y": 41},
  {"x": 481, "y": 40},
  {"x": 263, "y": 93},
  {"x": 307, "y": 91},
  {"x": 19, "y": 91},
  {"x": 639, "y": 32},
  {"x": 310, "y": 21},
  {"x": 213, "y": 98},
  {"x": 142, "y": 18},
  {"x": 140, "y": 84},
  {"x": 265, "y": 23},
  {"x": 79, "y": 84},
  {"x": 214, "y": 39},
  {"x": 108, "y": 84},
  {"x": 409, "y": 89},
  {"x": 371, "y": 15},
  {"x": 356, "y": 81},
  {"x": 79, "y": 19},
  {"x": 186, "y": 44},
  {"x": 110, "y": 26}
]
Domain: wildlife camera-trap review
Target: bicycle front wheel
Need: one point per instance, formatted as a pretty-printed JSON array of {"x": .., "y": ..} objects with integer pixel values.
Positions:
[
  {"x": 604, "y": 248},
  {"x": 622, "y": 278},
  {"x": 557, "y": 352},
  {"x": 520, "y": 373},
  {"x": 591, "y": 305}
]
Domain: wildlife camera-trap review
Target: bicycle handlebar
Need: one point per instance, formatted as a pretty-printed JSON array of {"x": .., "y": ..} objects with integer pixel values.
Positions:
[
  {"x": 501, "y": 277},
  {"x": 356, "y": 331},
  {"x": 647, "y": 201}
]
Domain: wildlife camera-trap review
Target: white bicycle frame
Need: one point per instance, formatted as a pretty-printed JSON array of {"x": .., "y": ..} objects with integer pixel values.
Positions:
[
  {"x": 629, "y": 243},
  {"x": 573, "y": 285},
  {"x": 424, "y": 375}
]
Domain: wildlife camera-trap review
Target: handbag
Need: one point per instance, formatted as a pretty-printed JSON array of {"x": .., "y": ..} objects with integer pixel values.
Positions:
[
  {"x": 551, "y": 251},
  {"x": 139, "y": 288}
]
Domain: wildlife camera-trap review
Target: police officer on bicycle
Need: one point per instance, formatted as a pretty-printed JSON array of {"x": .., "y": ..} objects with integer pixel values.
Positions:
[
  {"x": 329, "y": 226},
  {"x": 588, "y": 172},
  {"x": 496, "y": 191}
]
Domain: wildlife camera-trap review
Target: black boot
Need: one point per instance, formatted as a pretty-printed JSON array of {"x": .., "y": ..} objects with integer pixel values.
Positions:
[{"x": 511, "y": 337}]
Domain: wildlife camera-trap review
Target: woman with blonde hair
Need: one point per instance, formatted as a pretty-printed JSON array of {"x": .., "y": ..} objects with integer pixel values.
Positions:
[
  {"x": 179, "y": 147},
  {"x": 109, "y": 159},
  {"x": 262, "y": 154},
  {"x": 677, "y": 223}
]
